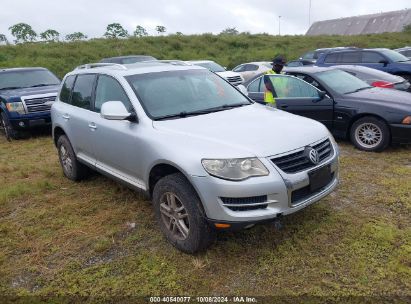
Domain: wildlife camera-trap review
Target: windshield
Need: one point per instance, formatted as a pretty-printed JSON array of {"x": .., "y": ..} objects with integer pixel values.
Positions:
[
  {"x": 342, "y": 82},
  {"x": 212, "y": 66},
  {"x": 27, "y": 79},
  {"x": 394, "y": 56},
  {"x": 177, "y": 92}
]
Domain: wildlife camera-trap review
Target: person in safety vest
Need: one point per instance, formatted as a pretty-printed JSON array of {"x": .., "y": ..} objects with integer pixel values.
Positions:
[{"x": 269, "y": 92}]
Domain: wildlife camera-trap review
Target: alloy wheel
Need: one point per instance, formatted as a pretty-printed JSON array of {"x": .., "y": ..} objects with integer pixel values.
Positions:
[
  {"x": 66, "y": 160},
  {"x": 174, "y": 215},
  {"x": 368, "y": 135}
]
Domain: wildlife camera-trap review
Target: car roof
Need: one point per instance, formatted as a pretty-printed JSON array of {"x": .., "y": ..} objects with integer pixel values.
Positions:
[
  {"x": 405, "y": 48},
  {"x": 199, "y": 61},
  {"x": 307, "y": 69},
  {"x": 133, "y": 69},
  {"x": 21, "y": 69}
]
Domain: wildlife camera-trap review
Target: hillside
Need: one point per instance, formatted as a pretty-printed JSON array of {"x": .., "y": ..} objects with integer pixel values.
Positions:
[{"x": 228, "y": 50}]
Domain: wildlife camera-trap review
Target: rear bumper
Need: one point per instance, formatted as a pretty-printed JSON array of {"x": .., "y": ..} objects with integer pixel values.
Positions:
[{"x": 401, "y": 134}]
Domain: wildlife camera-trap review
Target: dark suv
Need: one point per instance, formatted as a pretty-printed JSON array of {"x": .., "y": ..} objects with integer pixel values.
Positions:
[
  {"x": 381, "y": 59},
  {"x": 26, "y": 95}
]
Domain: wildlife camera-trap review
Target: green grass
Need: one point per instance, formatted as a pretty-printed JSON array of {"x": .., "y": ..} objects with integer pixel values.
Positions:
[
  {"x": 60, "y": 238},
  {"x": 226, "y": 49}
]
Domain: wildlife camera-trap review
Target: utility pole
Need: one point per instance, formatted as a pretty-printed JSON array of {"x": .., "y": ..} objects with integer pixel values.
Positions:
[
  {"x": 279, "y": 25},
  {"x": 309, "y": 14}
]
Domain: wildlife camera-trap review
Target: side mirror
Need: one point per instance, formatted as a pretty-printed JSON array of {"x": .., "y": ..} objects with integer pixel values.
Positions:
[
  {"x": 115, "y": 110},
  {"x": 322, "y": 95},
  {"x": 384, "y": 62},
  {"x": 242, "y": 89}
]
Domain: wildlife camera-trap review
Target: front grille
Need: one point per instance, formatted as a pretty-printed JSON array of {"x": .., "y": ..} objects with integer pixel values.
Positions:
[
  {"x": 299, "y": 195},
  {"x": 298, "y": 161},
  {"x": 39, "y": 104},
  {"x": 245, "y": 203},
  {"x": 234, "y": 79}
]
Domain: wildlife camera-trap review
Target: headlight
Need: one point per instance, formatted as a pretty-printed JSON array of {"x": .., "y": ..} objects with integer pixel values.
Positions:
[
  {"x": 16, "y": 107},
  {"x": 235, "y": 169},
  {"x": 334, "y": 143}
]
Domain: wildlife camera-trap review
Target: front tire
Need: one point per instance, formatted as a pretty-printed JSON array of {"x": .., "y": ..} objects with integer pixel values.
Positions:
[
  {"x": 8, "y": 130},
  {"x": 179, "y": 215},
  {"x": 72, "y": 168},
  {"x": 370, "y": 134}
]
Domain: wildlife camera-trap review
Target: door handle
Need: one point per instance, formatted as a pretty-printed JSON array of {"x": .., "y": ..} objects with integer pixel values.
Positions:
[
  {"x": 284, "y": 106},
  {"x": 65, "y": 116},
  {"x": 92, "y": 126}
]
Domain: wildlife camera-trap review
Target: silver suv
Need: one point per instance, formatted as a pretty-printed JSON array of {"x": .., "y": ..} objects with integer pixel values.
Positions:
[{"x": 208, "y": 156}]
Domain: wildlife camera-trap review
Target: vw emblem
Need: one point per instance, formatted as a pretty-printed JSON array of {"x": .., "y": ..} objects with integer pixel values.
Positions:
[{"x": 313, "y": 156}]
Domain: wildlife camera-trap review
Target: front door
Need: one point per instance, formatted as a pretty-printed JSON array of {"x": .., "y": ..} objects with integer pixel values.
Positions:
[{"x": 301, "y": 98}]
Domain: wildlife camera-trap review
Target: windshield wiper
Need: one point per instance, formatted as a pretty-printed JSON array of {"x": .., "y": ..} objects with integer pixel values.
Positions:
[
  {"x": 360, "y": 89},
  {"x": 41, "y": 85},
  {"x": 184, "y": 114},
  {"x": 11, "y": 88}
]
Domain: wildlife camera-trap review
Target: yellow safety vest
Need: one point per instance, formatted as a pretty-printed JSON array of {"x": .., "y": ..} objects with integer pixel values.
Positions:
[{"x": 268, "y": 96}]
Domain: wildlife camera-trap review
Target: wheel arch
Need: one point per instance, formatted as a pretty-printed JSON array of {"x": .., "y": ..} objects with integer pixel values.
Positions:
[
  {"x": 362, "y": 115},
  {"x": 57, "y": 132},
  {"x": 163, "y": 169}
]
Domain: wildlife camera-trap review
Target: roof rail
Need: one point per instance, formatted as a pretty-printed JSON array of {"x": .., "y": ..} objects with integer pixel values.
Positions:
[{"x": 100, "y": 65}]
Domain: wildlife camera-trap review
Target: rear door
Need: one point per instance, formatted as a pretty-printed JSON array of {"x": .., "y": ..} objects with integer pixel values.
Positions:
[
  {"x": 75, "y": 113},
  {"x": 299, "y": 97}
]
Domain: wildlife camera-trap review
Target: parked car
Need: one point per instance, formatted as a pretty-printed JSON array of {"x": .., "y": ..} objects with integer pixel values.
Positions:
[
  {"x": 385, "y": 60},
  {"x": 376, "y": 78},
  {"x": 406, "y": 51},
  {"x": 250, "y": 69},
  {"x": 128, "y": 59},
  {"x": 312, "y": 56},
  {"x": 26, "y": 95},
  {"x": 198, "y": 147},
  {"x": 371, "y": 117},
  {"x": 232, "y": 77},
  {"x": 298, "y": 63}
]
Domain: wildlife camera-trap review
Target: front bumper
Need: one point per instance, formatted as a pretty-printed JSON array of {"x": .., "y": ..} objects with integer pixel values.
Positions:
[
  {"x": 278, "y": 188},
  {"x": 400, "y": 134},
  {"x": 25, "y": 122}
]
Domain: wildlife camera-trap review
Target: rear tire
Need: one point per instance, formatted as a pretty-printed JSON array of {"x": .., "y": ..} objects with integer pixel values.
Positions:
[
  {"x": 370, "y": 134},
  {"x": 72, "y": 168},
  {"x": 179, "y": 215}
]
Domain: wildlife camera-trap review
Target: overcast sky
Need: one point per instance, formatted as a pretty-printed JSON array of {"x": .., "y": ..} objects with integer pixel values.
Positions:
[{"x": 187, "y": 16}]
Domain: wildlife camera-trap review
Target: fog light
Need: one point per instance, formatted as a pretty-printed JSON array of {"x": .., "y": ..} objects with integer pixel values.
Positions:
[{"x": 21, "y": 124}]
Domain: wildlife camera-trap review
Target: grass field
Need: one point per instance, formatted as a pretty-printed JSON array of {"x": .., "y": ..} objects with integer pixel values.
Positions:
[
  {"x": 63, "y": 238},
  {"x": 228, "y": 50}
]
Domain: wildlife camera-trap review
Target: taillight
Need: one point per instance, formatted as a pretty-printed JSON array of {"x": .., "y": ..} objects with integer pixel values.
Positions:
[{"x": 383, "y": 84}]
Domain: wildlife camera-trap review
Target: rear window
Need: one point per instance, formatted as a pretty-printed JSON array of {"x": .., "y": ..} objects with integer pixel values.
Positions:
[
  {"x": 66, "y": 89},
  {"x": 350, "y": 57},
  {"x": 332, "y": 58},
  {"x": 82, "y": 91}
]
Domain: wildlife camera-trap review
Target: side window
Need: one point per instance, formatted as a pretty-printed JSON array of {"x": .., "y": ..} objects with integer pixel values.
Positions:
[
  {"x": 82, "y": 91},
  {"x": 255, "y": 86},
  {"x": 240, "y": 68},
  {"x": 66, "y": 89},
  {"x": 292, "y": 87},
  {"x": 371, "y": 57},
  {"x": 108, "y": 89},
  {"x": 251, "y": 67},
  {"x": 350, "y": 57},
  {"x": 332, "y": 58}
]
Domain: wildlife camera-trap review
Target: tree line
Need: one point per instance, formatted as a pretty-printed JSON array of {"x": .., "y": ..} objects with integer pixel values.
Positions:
[{"x": 23, "y": 33}]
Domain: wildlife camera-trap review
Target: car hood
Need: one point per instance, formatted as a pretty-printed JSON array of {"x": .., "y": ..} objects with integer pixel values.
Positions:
[
  {"x": 384, "y": 96},
  {"x": 248, "y": 131},
  {"x": 29, "y": 91}
]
